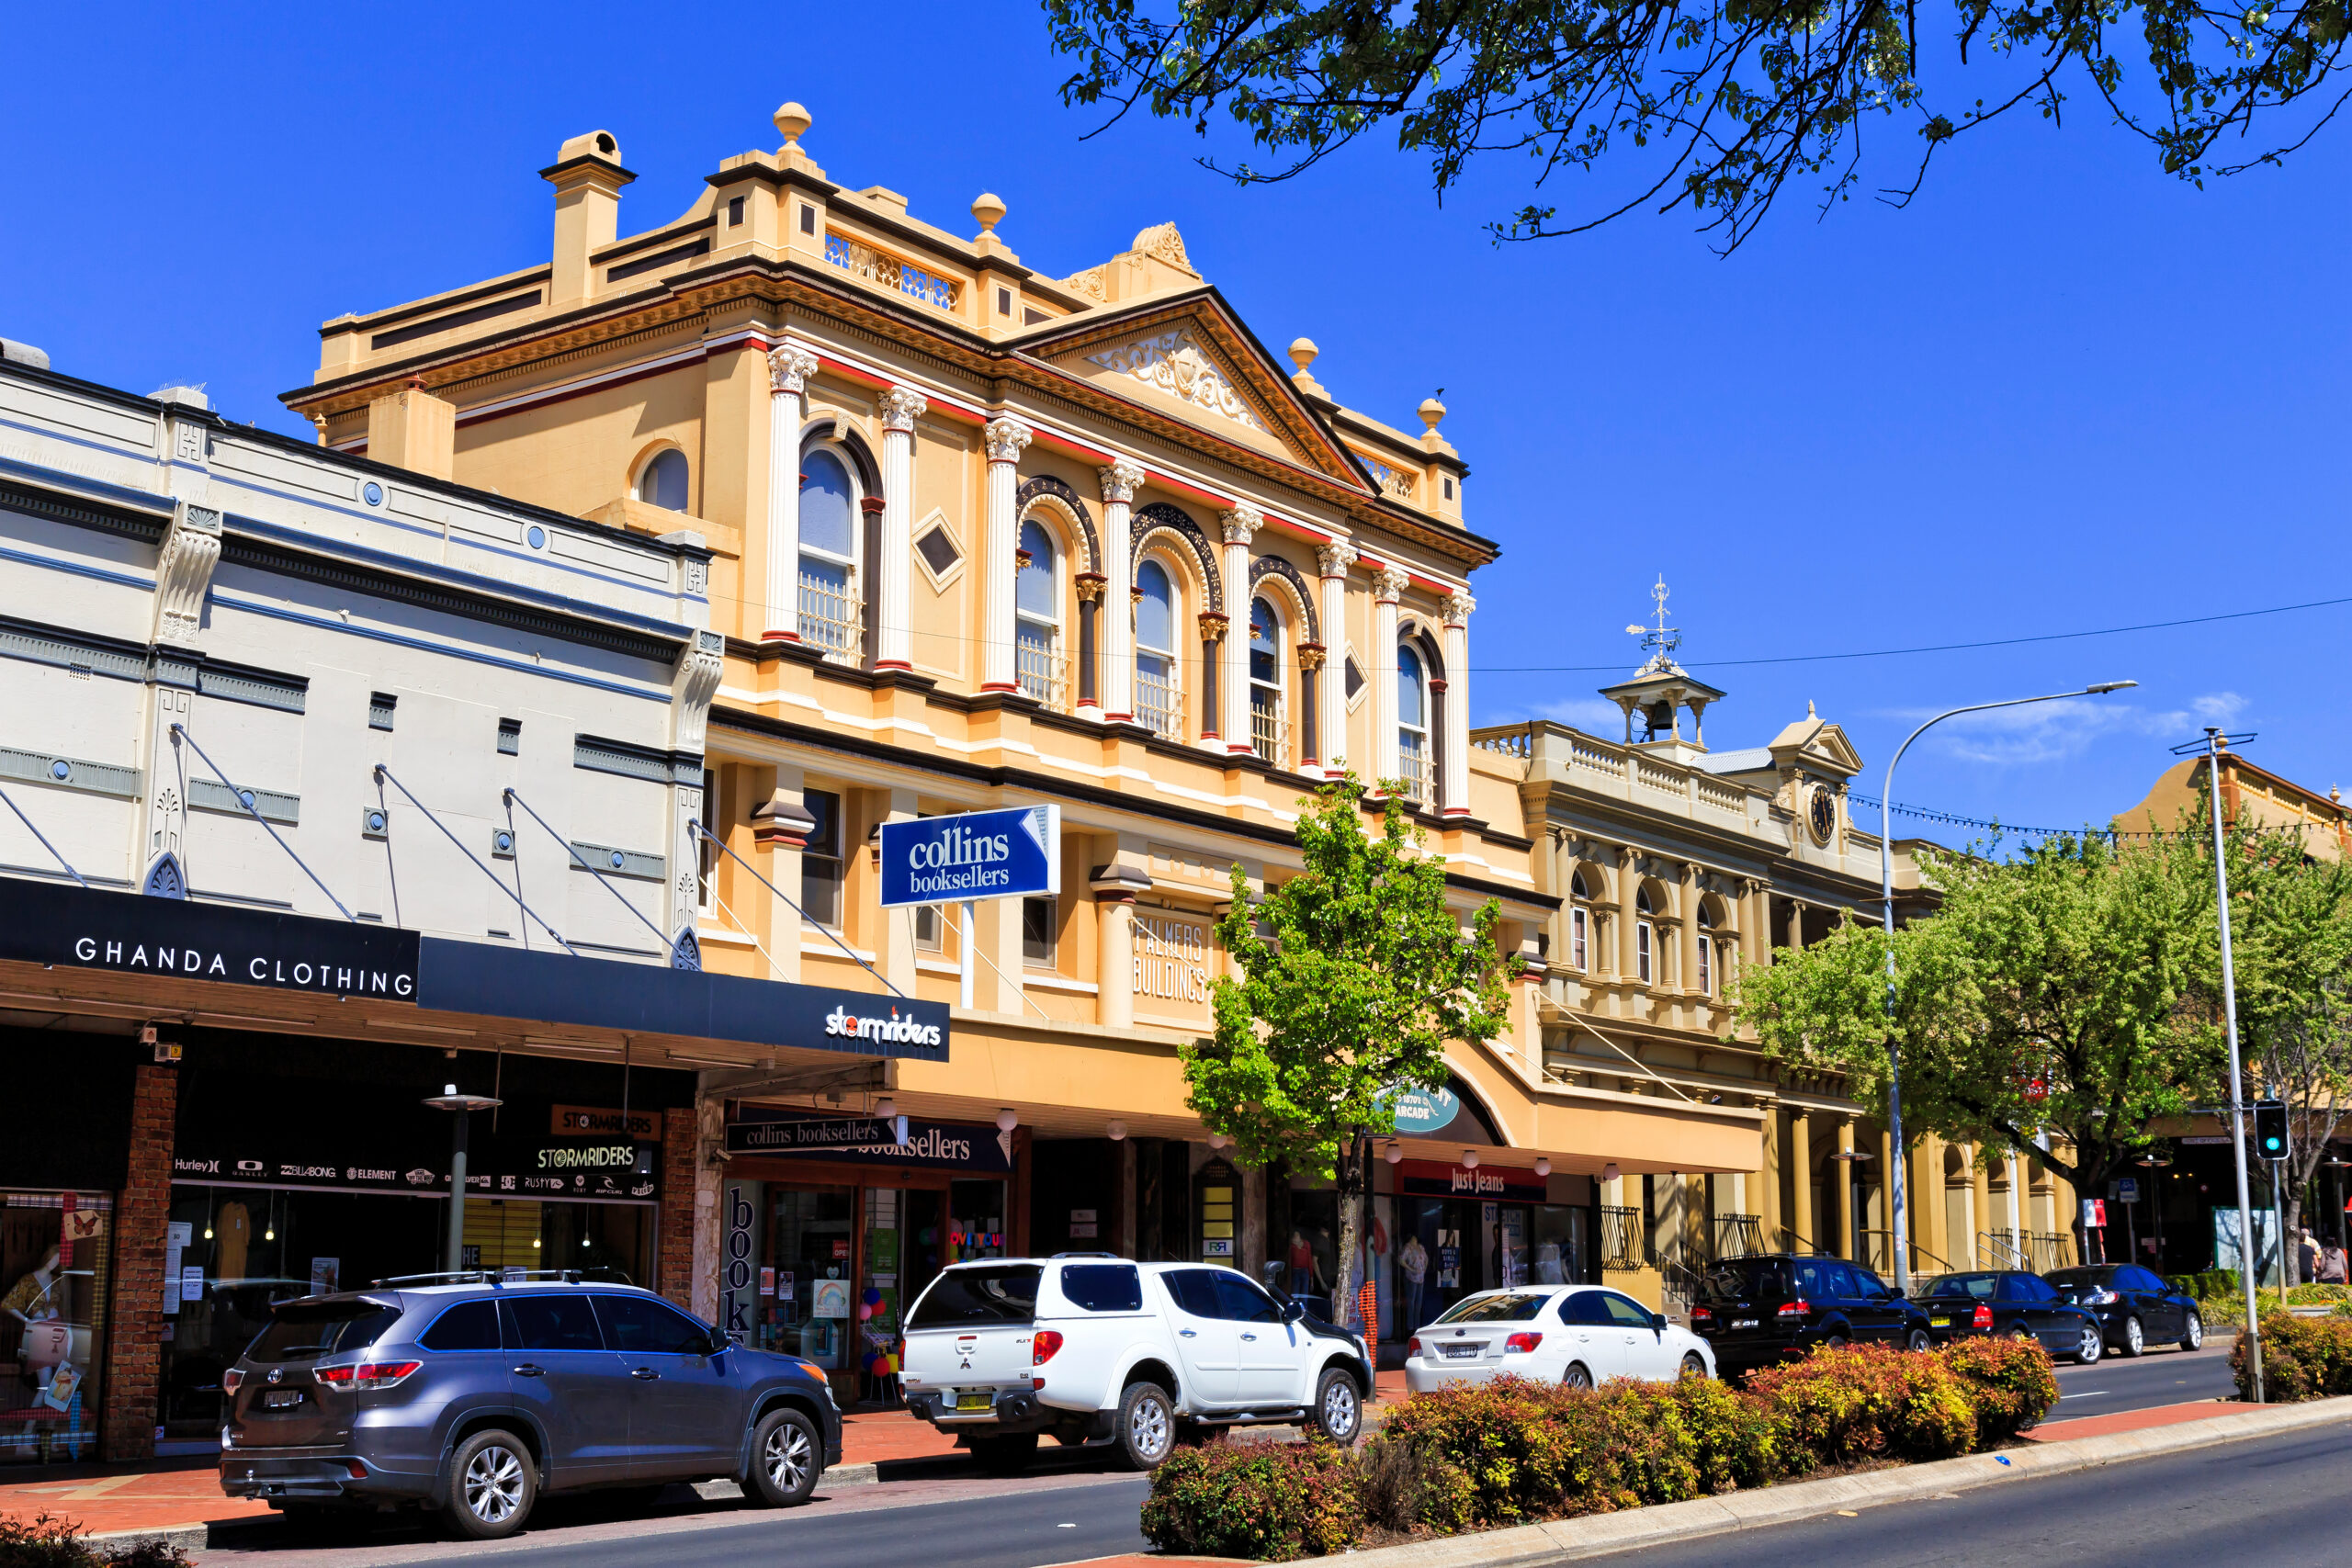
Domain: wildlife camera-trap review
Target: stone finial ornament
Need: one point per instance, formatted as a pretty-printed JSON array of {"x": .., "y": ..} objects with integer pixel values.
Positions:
[{"x": 794, "y": 121}]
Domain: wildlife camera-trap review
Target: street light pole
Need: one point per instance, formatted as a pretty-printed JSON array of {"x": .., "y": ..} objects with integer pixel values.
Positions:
[
  {"x": 464, "y": 1105},
  {"x": 1886, "y": 893},
  {"x": 2212, "y": 748}
]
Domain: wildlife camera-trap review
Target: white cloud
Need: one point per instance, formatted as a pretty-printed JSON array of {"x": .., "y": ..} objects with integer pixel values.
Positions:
[{"x": 2050, "y": 732}]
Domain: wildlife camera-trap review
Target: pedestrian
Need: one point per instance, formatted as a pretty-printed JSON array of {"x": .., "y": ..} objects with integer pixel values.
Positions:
[
  {"x": 2333, "y": 1266},
  {"x": 2307, "y": 1258}
]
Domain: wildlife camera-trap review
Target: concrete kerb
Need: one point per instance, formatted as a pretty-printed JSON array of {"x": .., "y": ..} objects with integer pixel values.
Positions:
[{"x": 1567, "y": 1540}]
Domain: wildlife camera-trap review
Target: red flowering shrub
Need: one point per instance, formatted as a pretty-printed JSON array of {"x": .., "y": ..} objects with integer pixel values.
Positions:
[
  {"x": 1863, "y": 1402},
  {"x": 2303, "y": 1357},
  {"x": 1269, "y": 1501}
]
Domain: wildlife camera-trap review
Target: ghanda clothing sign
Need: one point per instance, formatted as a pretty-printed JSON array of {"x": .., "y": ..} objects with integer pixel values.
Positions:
[{"x": 82, "y": 929}]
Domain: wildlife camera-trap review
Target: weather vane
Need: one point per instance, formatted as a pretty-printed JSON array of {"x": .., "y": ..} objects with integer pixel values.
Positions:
[{"x": 1662, "y": 639}]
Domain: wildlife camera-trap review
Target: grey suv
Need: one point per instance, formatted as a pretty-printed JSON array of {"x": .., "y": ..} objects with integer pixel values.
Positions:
[{"x": 472, "y": 1395}]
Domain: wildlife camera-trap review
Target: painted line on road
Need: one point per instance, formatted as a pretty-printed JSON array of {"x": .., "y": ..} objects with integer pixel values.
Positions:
[{"x": 2087, "y": 1393}]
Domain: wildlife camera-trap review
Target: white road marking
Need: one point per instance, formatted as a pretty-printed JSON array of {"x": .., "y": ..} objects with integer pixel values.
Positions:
[{"x": 2087, "y": 1393}]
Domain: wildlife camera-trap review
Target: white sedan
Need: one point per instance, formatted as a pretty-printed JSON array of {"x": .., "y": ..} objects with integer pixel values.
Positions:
[{"x": 1576, "y": 1335}]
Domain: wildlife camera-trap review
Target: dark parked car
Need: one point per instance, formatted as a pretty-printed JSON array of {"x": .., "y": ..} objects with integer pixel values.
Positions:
[
  {"x": 1755, "y": 1311},
  {"x": 472, "y": 1395},
  {"x": 2134, "y": 1307},
  {"x": 2011, "y": 1302}
]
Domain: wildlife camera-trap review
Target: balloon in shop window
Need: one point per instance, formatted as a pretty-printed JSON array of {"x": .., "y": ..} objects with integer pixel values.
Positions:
[{"x": 873, "y": 1296}]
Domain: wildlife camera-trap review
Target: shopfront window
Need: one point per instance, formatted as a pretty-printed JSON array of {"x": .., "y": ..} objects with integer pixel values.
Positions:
[
  {"x": 54, "y": 1251},
  {"x": 812, "y": 1310}
]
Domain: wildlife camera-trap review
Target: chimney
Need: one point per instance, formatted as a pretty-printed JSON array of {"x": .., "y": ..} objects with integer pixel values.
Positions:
[
  {"x": 413, "y": 429},
  {"x": 587, "y": 176}
]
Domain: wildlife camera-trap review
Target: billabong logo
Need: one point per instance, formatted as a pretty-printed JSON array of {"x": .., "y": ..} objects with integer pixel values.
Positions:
[{"x": 893, "y": 1030}]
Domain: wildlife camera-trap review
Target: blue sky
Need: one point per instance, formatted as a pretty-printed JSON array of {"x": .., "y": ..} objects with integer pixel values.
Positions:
[{"x": 2062, "y": 391}]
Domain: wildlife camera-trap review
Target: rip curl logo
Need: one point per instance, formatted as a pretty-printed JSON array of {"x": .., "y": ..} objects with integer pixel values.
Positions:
[{"x": 894, "y": 1029}]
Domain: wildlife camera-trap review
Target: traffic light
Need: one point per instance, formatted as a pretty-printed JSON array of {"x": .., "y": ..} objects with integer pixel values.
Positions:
[{"x": 2270, "y": 1129}]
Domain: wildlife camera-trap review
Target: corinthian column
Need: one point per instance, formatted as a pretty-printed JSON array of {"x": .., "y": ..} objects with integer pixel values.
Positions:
[
  {"x": 893, "y": 642},
  {"x": 1453, "y": 790},
  {"x": 1241, "y": 525},
  {"x": 1387, "y": 586},
  {"x": 1005, "y": 439},
  {"x": 1334, "y": 559},
  {"x": 1120, "y": 482},
  {"x": 789, "y": 367}
]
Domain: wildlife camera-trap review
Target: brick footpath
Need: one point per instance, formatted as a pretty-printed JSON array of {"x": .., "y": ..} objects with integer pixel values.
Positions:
[{"x": 134, "y": 1331}]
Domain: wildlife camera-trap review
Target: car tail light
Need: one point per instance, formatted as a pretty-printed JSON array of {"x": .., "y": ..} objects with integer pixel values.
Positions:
[
  {"x": 1982, "y": 1317},
  {"x": 357, "y": 1467},
  {"x": 1703, "y": 1315},
  {"x": 1794, "y": 1309},
  {"x": 368, "y": 1375},
  {"x": 1521, "y": 1342},
  {"x": 1042, "y": 1348},
  {"x": 232, "y": 1381},
  {"x": 1412, "y": 1347}
]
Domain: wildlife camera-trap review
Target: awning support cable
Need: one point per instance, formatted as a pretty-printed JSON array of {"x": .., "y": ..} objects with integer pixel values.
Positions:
[
  {"x": 1575, "y": 1017},
  {"x": 966, "y": 940},
  {"x": 699, "y": 832},
  {"x": 43, "y": 837},
  {"x": 245, "y": 800},
  {"x": 582, "y": 860},
  {"x": 386, "y": 773}
]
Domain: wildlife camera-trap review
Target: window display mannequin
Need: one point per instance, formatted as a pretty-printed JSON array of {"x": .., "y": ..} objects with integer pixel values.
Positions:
[{"x": 1413, "y": 1262}]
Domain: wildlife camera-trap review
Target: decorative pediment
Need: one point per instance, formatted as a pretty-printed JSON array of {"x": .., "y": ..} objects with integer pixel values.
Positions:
[
  {"x": 1174, "y": 363},
  {"x": 1817, "y": 743}
]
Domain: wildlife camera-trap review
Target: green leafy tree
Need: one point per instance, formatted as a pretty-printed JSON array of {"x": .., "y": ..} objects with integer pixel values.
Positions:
[
  {"x": 1713, "y": 105},
  {"x": 1355, "y": 973},
  {"x": 2052, "y": 993}
]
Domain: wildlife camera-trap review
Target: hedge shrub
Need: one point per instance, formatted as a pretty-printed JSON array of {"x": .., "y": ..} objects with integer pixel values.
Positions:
[
  {"x": 1268, "y": 1501},
  {"x": 2303, "y": 1357},
  {"x": 1477, "y": 1456},
  {"x": 46, "y": 1540}
]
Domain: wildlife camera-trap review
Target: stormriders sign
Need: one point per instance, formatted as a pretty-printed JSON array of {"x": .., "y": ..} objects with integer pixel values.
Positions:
[{"x": 79, "y": 929}]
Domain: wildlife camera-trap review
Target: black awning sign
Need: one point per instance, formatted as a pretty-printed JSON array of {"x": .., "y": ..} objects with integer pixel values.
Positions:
[{"x": 85, "y": 928}]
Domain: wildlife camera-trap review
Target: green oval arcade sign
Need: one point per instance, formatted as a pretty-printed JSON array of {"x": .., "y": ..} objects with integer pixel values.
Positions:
[{"x": 1421, "y": 1112}]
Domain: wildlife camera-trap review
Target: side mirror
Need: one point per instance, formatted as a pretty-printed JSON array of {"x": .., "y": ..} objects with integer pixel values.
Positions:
[
  {"x": 1657, "y": 1320},
  {"x": 1293, "y": 1309}
]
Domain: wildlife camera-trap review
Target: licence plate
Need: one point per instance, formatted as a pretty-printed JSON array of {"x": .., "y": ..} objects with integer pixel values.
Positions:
[
  {"x": 1939, "y": 1323},
  {"x": 973, "y": 1402},
  {"x": 1461, "y": 1352},
  {"x": 1743, "y": 1322},
  {"x": 280, "y": 1398}
]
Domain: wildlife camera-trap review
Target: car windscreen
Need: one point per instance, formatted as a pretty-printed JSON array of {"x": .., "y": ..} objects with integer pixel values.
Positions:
[
  {"x": 304, "y": 1331},
  {"x": 2092, "y": 1279},
  {"x": 1977, "y": 1287},
  {"x": 1733, "y": 1279},
  {"x": 963, "y": 1298},
  {"x": 1511, "y": 1307}
]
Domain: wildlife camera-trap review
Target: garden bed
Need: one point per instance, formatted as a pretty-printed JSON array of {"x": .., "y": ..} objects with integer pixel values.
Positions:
[{"x": 1512, "y": 1452}]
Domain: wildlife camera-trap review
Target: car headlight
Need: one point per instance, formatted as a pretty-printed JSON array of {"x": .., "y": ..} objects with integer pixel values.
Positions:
[{"x": 2100, "y": 1298}]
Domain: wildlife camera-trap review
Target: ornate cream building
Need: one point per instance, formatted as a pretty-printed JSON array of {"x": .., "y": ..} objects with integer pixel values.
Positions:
[{"x": 983, "y": 535}]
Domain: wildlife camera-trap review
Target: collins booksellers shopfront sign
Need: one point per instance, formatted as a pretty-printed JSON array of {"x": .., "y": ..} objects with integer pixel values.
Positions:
[{"x": 975, "y": 854}]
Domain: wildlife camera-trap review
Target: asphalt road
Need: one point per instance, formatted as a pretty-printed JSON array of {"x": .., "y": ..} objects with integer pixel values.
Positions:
[
  {"x": 2161, "y": 1377},
  {"x": 2269, "y": 1503}
]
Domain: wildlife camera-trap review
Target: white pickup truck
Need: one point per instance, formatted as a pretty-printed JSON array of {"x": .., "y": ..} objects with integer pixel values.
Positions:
[{"x": 1097, "y": 1350}]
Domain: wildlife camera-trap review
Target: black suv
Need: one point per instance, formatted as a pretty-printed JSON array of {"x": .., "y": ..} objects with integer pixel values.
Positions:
[
  {"x": 2134, "y": 1307},
  {"x": 472, "y": 1394},
  {"x": 1778, "y": 1306}
]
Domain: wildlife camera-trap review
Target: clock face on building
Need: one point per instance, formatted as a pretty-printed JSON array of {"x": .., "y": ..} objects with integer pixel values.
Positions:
[{"x": 1820, "y": 814}]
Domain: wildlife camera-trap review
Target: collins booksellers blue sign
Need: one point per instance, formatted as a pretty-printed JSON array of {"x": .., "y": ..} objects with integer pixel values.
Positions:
[{"x": 978, "y": 854}]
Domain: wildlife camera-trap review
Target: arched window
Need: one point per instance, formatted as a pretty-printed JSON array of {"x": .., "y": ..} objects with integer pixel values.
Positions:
[
  {"x": 1645, "y": 937},
  {"x": 662, "y": 482},
  {"x": 829, "y": 535},
  {"x": 1036, "y": 619},
  {"x": 1267, "y": 727},
  {"x": 1159, "y": 702},
  {"x": 1706, "y": 949},
  {"x": 1412, "y": 724},
  {"x": 1579, "y": 920}
]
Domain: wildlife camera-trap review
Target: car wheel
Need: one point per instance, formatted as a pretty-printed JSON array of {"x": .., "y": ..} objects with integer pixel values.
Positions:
[
  {"x": 1337, "y": 1411},
  {"x": 2019, "y": 1331},
  {"x": 1005, "y": 1456},
  {"x": 1578, "y": 1376},
  {"x": 2091, "y": 1346},
  {"x": 788, "y": 1456},
  {"x": 1147, "y": 1425},
  {"x": 1694, "y": 1365},
  {"x": 1919, "y": 1339},
  {"x": 1835, "y": 1340},
  {"x": 2193, "y": 1337},
  {"x": 492, "y": 1484},
  {"x": 2135, "y": 1338}
]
